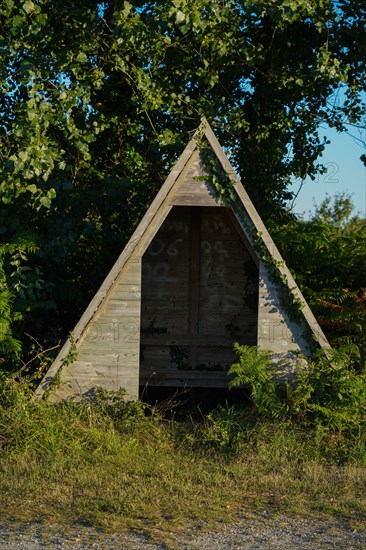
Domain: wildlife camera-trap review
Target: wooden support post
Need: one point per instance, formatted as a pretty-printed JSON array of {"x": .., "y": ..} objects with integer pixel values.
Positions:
[{"x": 194, "y": 283}]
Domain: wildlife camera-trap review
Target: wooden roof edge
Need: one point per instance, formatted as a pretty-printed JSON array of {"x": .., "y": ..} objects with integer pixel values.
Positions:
[
  {"x": 118, "y": 265},
  {"x": 143, "y": 225},
  {"x": 266, "y": 237},
  {"x": 305, "y": 309}
]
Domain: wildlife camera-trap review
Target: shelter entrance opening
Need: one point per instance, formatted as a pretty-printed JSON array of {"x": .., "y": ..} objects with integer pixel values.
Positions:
[{"x": 199, "y": 295}]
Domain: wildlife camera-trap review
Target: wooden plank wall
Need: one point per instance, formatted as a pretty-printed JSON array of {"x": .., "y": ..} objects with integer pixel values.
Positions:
[
  {"x": 108, "y": 352},
  {"x": 108, "y": 344},
  {"x": 191, "y": 191},
  {"x": 199, "y": 295},
  {"x": 277, "y": 332}
]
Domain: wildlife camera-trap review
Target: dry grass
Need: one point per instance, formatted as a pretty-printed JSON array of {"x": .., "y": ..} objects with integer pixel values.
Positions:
[{"x": 74, "y": 462}]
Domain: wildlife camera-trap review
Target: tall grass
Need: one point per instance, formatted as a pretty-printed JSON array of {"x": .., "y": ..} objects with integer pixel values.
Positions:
[{"x": 120, "y": 465}]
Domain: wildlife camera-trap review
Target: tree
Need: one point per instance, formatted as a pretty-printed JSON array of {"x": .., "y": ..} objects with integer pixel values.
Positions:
[
  {"x": 328, "y": 256},
  {"x": 98, "y": 98}
]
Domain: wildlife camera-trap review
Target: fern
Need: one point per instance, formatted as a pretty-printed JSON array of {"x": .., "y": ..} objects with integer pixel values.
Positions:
[
  {"x": 255, "y": 370},
  {"x": 8, "y": 344},
  {"x": 328, "y": 393}
]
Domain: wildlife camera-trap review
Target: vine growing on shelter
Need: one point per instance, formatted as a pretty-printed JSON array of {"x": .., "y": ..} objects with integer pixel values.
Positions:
[{"x": 224, "y": 188}]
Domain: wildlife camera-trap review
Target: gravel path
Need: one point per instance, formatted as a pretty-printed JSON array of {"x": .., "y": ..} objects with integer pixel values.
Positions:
[{"x": 253, "y": 532}]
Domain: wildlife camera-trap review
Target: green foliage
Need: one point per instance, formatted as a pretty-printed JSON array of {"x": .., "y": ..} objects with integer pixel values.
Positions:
[
  {"x": 331, "y": 394},
  {"x": 8, "y": 344},
  {"x": 332, "y": 242},
  {"x": 72, "y": 353},
  {"x": 17, "y": 281},
  {"x": 224, "y": 428},
  {"x": 255, "y": 369},
  {"x": 110, "y": 464},
  {"x": 124, "y": 413},
  {"x": 327, "y": 394},
  {"x": 332, "y": 278},
  {"x": 13, "y": 393},
  {"x": 39, "y": 427},
  {"x": 98, "y": 98},
  {"x": 346, "y": 320}
]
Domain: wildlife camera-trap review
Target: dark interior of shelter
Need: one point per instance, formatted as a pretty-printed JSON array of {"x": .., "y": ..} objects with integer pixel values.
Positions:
[{"x": 199, "y": 296}]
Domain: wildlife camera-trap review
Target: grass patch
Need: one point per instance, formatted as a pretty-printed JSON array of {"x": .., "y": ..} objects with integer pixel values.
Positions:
[{"x": 121, "y": 466}]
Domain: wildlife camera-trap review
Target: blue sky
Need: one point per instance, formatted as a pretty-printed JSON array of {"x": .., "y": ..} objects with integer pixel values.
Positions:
[{"x": 346, "y": 173}]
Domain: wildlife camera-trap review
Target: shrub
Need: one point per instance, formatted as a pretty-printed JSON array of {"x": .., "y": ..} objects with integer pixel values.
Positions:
[{"x": 327, "y": 393}]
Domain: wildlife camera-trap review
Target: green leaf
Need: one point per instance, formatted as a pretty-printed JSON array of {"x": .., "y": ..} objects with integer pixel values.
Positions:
[
  {"x": 23, "y": 155},
  {"x": 82, "y": 58},
  {"x": 32, "y": 188},
  {"x": 180, "y": 17},
  {"x": 28, "y": 6},
  {"x": 127, "y": 8},
  {"x": 46, "y": 202}
]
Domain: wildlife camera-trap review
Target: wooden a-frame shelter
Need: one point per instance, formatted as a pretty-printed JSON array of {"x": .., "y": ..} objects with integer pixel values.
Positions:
[{"x": 189, "y": 283}]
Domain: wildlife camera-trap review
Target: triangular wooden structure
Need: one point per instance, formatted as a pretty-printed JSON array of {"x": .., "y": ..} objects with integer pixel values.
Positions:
[{"x": 189, "y": 283}]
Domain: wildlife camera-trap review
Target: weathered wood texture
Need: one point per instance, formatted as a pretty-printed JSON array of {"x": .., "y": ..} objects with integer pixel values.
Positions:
[
  {"x": 193, "y": 189},
  {"x": 199, "y": 295},
  {"x": 108, "y": 350},
  {"x": 115, "y": 308},
  {"x": 255, "y": 220},
  {"x": 179, "y": 379},
  {"x": 277, "y": 331},
  {"x": 148, "y": 226}
]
